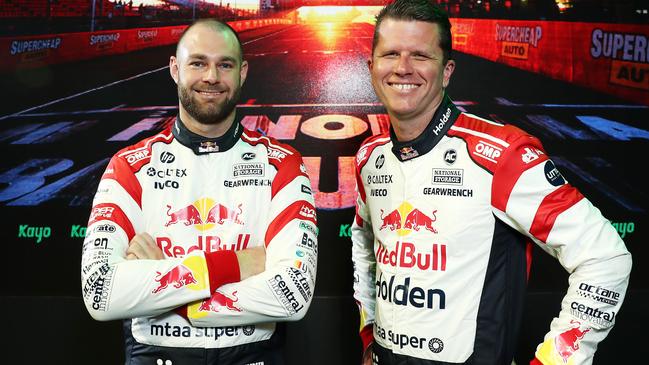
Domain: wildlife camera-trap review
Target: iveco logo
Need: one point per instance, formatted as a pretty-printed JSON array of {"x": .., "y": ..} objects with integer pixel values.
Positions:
[
  {"x": 379, "y": 161},
  {"x": 167, "y": 157},
  {"x": 248, "y": 156}
]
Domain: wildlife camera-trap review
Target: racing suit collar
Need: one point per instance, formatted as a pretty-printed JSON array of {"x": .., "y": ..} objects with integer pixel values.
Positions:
[
  {"x": 203, "y": 145},
  {"x": 443, "y": 119}
]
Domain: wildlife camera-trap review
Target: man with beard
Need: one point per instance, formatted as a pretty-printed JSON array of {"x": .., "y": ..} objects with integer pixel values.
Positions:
[{"x": 193, "y": 234}]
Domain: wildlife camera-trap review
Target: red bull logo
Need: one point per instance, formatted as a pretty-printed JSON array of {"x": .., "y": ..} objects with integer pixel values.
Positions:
[
  {"x": 203, "y": 214},
  {"x": 407, "y": 255},
  {"x": 188, "y": 215},
  {"x": 414, "y": 220},
  {"x": 178, "y": 276},
  {"x": 218, "y": 301},
  {"x": 568, "y": 342},
  {"x": 392, "y": 220}
]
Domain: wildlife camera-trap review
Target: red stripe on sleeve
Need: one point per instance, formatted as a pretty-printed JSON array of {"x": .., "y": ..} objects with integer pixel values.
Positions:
[
  {"x": 112, "y": 212},
  {"x": 120, "y": 171},
  {"x": 552, "y": 205},
  {"x": 509, "y": 170},
  {"x": 300, "y": 209}
]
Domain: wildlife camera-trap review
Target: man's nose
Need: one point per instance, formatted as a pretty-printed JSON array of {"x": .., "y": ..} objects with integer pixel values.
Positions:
[
  {"x": 212, "y": 74},
  {"x": 403, "y": 65}
]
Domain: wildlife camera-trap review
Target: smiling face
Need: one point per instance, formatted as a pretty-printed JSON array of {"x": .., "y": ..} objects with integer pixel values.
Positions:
[
  {"x": 209, "y": 73},
  {"x": 407, "y": 70}
]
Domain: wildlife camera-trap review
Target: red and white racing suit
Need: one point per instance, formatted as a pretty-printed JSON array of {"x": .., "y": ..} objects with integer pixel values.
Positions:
[
  {"x": 201, "y": 199},
  {"x": 440, "y": 254}
]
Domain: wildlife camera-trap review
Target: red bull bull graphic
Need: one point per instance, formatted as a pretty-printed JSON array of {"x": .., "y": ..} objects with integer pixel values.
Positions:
[
  {"x": 416, "y": 219},
  {"x": 568, "y": 342},
  {"x": 392, "y": 220},
  {"x": 178, "y": 276},
  {"x": 218, "y": 301},
  {"x": 561, "y": 348},
  {"x": 204, "y": 214},
  {"x": 220, "y": 214},
  {"x": 407, "y": 218},
  {"x": 187, "y": 215}
]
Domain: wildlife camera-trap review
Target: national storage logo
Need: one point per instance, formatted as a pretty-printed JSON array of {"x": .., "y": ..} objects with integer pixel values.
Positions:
[
  {"x": 629, "y": 55},
  {"x": 516, "y": 40}
]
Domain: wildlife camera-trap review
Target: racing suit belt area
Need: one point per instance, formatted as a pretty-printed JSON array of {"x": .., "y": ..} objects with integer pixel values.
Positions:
[
  {"x": 196, "y": 196},
  {"x": 440, "y": 241}
]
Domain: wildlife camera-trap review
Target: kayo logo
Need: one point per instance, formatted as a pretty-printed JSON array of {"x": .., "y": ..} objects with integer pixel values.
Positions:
[{"x": 178, "y": 276}]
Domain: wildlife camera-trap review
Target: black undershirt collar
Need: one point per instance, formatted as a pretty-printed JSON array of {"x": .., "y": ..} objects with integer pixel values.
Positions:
[
  {"x": 443, "y": 119},
  {"x": 203, "y": 145}
]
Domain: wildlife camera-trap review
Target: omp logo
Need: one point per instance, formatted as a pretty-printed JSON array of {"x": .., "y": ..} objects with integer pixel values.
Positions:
[
  {"x": 487, "y": 151},
  {"x": 276, "y": 154},
  {"x": 133, "y": 157}
]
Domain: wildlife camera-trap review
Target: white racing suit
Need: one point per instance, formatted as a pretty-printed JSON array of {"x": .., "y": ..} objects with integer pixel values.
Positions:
[
  {"x": 441, "y": 253},
  {"x": 201, "y": 199}
]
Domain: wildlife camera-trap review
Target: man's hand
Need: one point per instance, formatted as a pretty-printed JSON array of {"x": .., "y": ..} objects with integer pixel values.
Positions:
[
  {"x": 252, "y": 261},
  {"x": 142, "y": 246}
]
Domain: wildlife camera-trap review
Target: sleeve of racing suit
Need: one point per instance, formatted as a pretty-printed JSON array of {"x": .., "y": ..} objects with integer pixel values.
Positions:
[
  {"x": 282, "y": 292},
  {"x": 116, "y": 288},
  {"x": 531, "y": 195},
  {"x": 364, "y": 263}
]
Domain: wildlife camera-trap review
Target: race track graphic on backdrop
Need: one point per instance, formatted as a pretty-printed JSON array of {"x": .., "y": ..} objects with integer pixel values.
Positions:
[{"x": 308, "y": 86}]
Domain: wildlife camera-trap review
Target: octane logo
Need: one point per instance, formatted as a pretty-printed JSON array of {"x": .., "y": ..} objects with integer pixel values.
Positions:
[
  {"x": 407, "y": 218},
  {"x": 203, "y": 214}
]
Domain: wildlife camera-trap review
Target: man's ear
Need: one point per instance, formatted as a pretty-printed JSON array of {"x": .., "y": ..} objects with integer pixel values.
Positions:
[
  {"x": 243, "y": 73},
  {"x": 173, "y": 68},
  {"x": 448, "y": 71}
]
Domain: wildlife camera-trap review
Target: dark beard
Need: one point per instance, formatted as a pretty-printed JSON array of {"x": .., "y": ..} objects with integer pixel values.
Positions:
[{"x": 211, "y": 113}]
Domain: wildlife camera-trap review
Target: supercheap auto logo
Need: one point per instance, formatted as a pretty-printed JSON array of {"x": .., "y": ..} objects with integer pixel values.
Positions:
[
  {"x": 628, "y": 54},
  {"x": 406, "y": 218},
  {"x": 516, "y": 40},
  {"x": 204, "y": 214}
]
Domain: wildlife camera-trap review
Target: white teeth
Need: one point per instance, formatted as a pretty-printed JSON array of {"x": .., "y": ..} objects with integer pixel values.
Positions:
[{"x": 404, "y": 86}]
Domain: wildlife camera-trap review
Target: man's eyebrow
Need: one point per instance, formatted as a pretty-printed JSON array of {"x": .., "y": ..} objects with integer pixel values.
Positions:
[{"x": 200, "y": 56}]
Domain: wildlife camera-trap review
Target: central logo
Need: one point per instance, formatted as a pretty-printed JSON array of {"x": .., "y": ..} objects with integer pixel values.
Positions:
[
  {"x": 407, "y": 218},
  {"x": 203, "y": 214}
]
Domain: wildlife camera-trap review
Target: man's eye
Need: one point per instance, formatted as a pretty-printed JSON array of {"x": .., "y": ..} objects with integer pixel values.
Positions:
[
  {"x": 196, "y": 64},
  {"x": 227, "y": 65}
]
